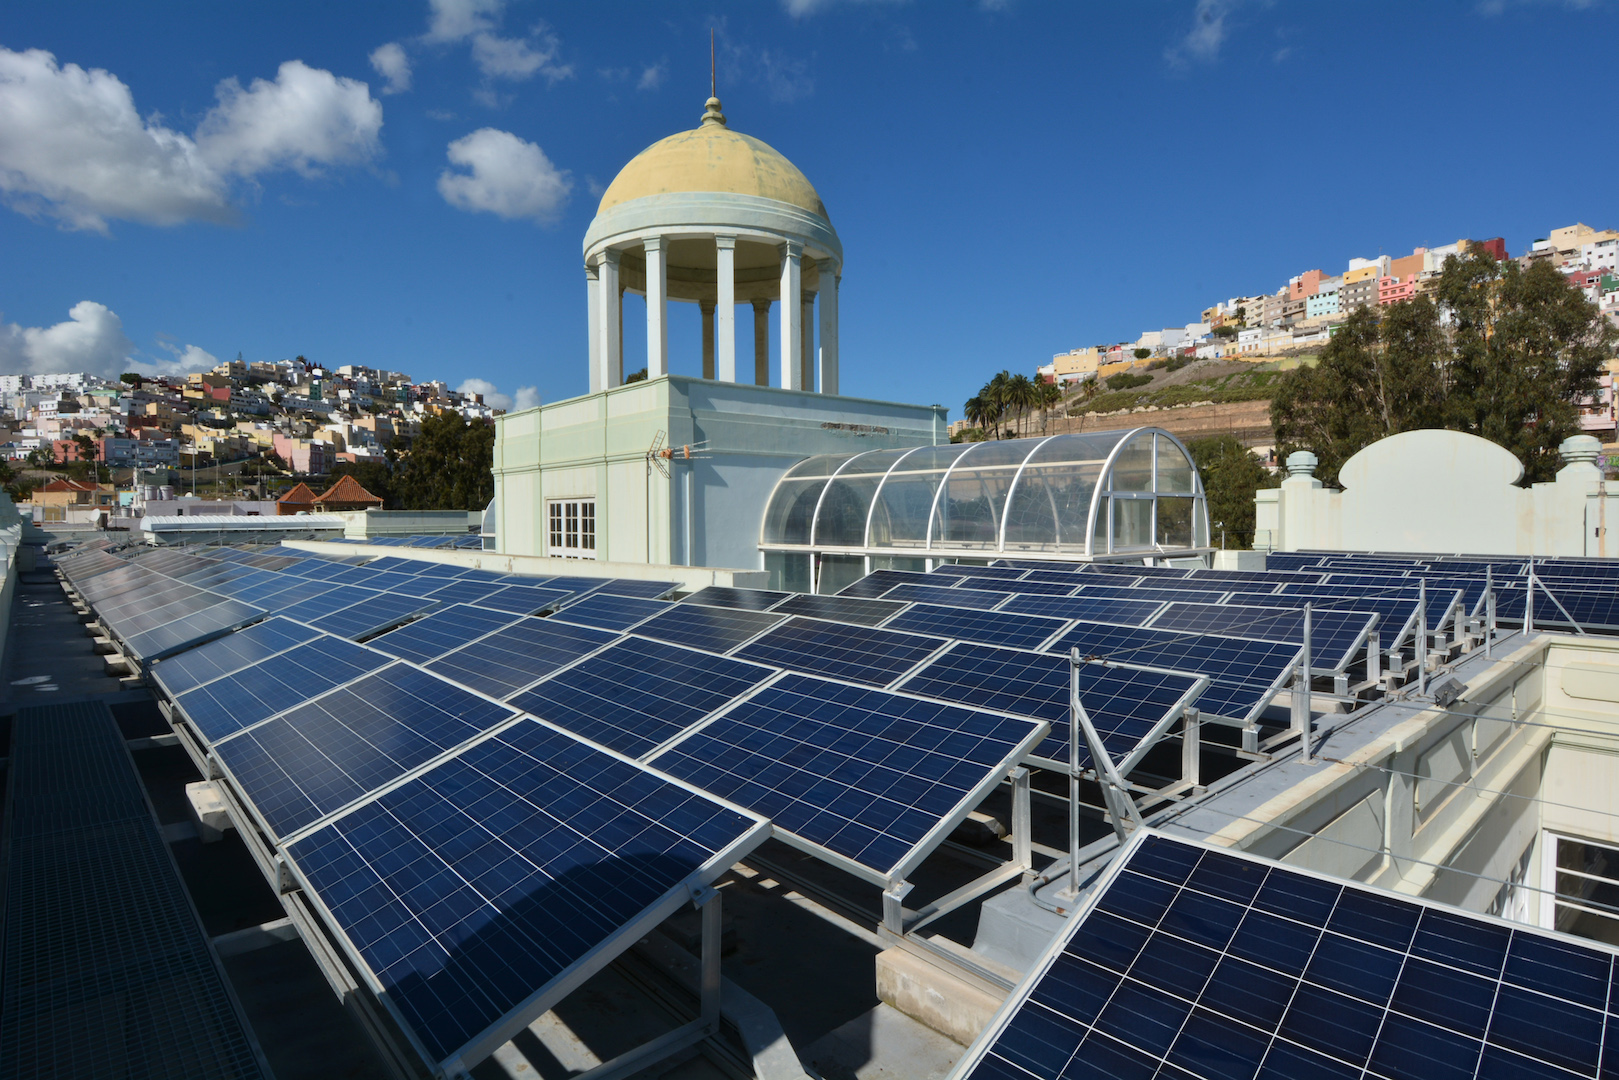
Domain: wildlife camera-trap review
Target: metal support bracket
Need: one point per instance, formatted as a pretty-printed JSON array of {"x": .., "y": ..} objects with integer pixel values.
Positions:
[
  {"x": 1022, "y": 834},
  {"x": 285, "y": 882},
  {"x": 894, "y": 905},
  {"x": 1192, "y": 750}
]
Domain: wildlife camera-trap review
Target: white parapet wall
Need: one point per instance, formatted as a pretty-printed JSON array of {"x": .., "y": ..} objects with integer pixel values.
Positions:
[
  {"x": 689, "y": 578},
  {"x": 1440, "y": 491}
]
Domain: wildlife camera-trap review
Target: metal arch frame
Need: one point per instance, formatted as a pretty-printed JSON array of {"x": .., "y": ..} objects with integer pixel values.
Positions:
[
  {"x": 1011, "y": 492},
  {"x": 871, "y": 511},
  {"x": 787, "y": 475},
  {"x": 820, "y": 500},
  {"x": 944, "y": 484}
]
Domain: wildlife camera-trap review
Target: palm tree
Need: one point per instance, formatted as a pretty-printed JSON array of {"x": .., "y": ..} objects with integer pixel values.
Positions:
[
  {"x": 980, "y": 411},
  {"x": 1020, "y": 394},
  {"x": 1050, "y": 394},
  {"x": 997, "y": 392}
]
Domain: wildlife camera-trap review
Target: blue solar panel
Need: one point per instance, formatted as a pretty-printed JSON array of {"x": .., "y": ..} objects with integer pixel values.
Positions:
[
  {"x": 372, "y": 616},
  {"x": 1243, "y": 673},
  {"x": 1086, "y": 606},
  {"x": 1123, "y": 704},
  {"x": 462, "y": 592},
  {"x": 973, "y": 570},
  {"x": 985, "y": 627},
  {"x": 1335, "y": 636},
  {"x": 199, "y": 626},
  {"x": 864, "y": 774},
  {"x": 256, "y": 693},
  {"x": 978, "y": 599},
  {"x": 715, "y": 630},
  {"x": 317, "y": 758},
  {"x": 646, "y": 590},
  {"x": 470, "y": 891},
  {"x": 610, "y": 612},
  {"x": 524, "y": 599},
  {"x": 508, "y": 660},
  {"x": 443, "y": 631},
  {"x": 1588, "y": 607},
  {"x": 283, "y": 592},
  {"x": 1172, "y": 592},
  {"x": 857, "y": 653},
  {"x": 1023, "y": 585},
  {"x": 724, "y": 596},
  {"x": 1193, "y": 962},
  {"x": 637, "y": 695},
  {"x": 844, "y": 609},
  {"x": 335, "y": 598},
  {"x": 1136, "y": 570},
  {"x": 231, "y": 653},
  {"x": 878, "y": 582}
]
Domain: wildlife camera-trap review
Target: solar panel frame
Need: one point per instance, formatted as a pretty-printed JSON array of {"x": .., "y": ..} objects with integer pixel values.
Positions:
[
  {"x": 1154, "y": 917},
  {"x": 795, "y": 700},
  {"x": 472, "y": 1045},
  {"x": 222, "y": 656},
  {"x": 251, "y": 695},
  {"x": 196, "y": 628}
]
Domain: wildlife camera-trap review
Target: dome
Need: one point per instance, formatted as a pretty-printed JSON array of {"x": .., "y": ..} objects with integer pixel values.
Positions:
[{"x": 712, "y": 158}]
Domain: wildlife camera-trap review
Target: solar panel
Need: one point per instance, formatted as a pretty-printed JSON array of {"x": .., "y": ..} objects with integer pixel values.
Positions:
[
  {"x": 333, "y": 599},
  {"x": 979, "y": 599},
  {"x": 471, "y": 894},
  {"x": 443, "y": 631},
  {"x": 637, "y": 694},
  {"x": 233, "y": 652},
  {"x": 1136, "y": 570},
  {"x": 878, "y": 582},
  {"x": 178, "y": 634},
  {"x": 724, "y": 596},
  {"x": 524, "y": 599},
  {"x": 1589, "y": 608},
  {"x": 844, "y": 609},
  {"x": 1086, "y": 606},
  {"x": 372, "y": 616},
  {"x": 285, "y": 593},
  {"x": 1174, "y": 592},
  {"x": 987, "y": 627},
  {"x": 1197, "y": 962},
  {"x": 973, "y": 570},
  {"x": 610, "y": 612},
  {"x": 646, "y": 590},
  {"x": 229, "y": 704},
  {"x": 509, "y": 659},
  {"x": 1124, "y": 704},
  {"x": 461, "y": 592},
  {"x": 866, "y": 775},
  {"x": 1244, "y": 674},
  {"x": 859, "y": 654},
  {"x": 313, "y": 760},
  {"x": 715, "y": 630},
  {"x": 1335, "y": 636}
]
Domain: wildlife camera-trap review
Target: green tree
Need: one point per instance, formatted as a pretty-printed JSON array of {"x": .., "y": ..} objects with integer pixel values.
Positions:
[
  {"x": 1142, "y": 354},
  {"x": 1521, "y": 349},
  {"x": 1231, "y": 473},
  {"x": 450, "y": 466},
  {"x": 1021, "y": 396}
]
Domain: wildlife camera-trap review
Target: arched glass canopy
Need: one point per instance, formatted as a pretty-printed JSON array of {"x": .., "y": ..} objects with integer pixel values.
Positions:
[{"x": 1079, "y": 496}]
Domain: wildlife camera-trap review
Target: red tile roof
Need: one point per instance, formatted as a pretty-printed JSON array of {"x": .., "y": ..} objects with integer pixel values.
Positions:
[{"x": 347, "y": 492}]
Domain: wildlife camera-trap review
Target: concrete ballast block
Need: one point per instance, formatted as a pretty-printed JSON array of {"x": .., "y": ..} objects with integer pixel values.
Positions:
[
  {"x": 207, "y": 810},
  {"x": 932, "y": 996}
]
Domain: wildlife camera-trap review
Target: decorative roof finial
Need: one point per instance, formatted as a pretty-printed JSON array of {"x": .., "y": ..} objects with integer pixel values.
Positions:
[{"x": 712, "y": 114}]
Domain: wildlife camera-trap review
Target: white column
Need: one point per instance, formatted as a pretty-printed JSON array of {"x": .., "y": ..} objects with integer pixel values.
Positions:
[
  {"x": 725, "y": 324},
  {"x": 829, "y": 327},
  {"x": 657, "y": 309},
  {"x": 792, "y": 328},
  {"x": 806, "y": 365},
  {"x": 609, "y": 338},
  {"x": 593, "y": 301}
]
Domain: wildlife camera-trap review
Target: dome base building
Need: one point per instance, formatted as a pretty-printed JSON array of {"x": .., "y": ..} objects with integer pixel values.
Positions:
[{"x": 692, "y": 470}]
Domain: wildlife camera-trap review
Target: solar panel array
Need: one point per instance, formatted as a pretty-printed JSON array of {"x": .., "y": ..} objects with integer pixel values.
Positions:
[{"x": 1204, "y": 964}]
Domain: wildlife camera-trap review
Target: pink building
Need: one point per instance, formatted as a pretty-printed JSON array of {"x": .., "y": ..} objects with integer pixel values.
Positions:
[
  {"x": 309, "y": 456},
  {"x": 1391, "y": 290}
]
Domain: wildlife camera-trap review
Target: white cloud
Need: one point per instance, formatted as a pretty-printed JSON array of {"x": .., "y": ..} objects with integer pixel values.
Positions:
[
  {"x": 305, "y": 119},
  {"x": 526, "y": 397},
  {"x": 799, "y": 9},
  {"x": 652, "y": 77},
  {"x": 506, "y": 175},
  {"x": 457, "y": 20},
  {"x": 518, "y": 59},
  {"x": 74, "y": 148},
  {"x": 392, "y": 64},
  {"x": 92, "y": 340},
  {"x": 1208, "y": 33}
]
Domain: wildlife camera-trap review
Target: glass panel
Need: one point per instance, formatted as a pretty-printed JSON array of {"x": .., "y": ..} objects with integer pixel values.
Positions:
[
  {"x": 900, "y": 516},
  {"x": 1174, "y": 470},
  {"x": 1200, "y": 523},
  {"x": 791, "y": 511},
  {"x": 1587, "y": 878},
  {"x": 789, "y": 570},
  {"x": 842, "y": 520},
  {"x": 1099, "y": 544},
  {"x": 838, "y": 572},
  {"x": 1132, "y": 469},
  {"x": 899, "y": 562},
  {"x": 1132, "y": 524},
  {"x": 1175, "y": 522},
  {"x": 1052, "y": 503},
  {"x": 971, "y": 506}
]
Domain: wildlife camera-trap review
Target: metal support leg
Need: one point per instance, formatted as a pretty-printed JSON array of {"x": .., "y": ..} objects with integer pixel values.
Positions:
[
  {"x": 1422, "y": 636},
  {"x": 1115, "y": 792},
  {"x": 1192, "y": 749},
  {"x": 712, "y": 932},
  {"x": 1489, "y": 611},
  {"x": 1307, "y": 678},
  {"x": 1022, "y": 853},
  {"x": 894, "y": 906}
]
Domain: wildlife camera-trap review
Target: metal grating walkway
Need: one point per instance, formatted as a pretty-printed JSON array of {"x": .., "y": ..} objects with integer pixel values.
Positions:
[{"x": 105, "y": 971}]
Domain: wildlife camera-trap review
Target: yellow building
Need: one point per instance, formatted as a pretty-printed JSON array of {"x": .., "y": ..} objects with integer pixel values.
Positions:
[
  {"x": 1078, "y": 361},
  {"x": 1352, "y": 276}
]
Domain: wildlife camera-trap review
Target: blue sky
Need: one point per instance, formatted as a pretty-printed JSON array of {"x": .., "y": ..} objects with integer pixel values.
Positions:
[{"x": 1010, "y": 179}]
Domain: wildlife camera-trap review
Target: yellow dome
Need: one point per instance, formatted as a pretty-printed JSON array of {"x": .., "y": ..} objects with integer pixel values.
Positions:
[{"x": 712, "y": 157}]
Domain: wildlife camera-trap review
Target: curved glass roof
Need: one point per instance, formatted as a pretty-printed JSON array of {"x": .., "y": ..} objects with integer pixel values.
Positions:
[{"x": 1085, "y": 495}]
